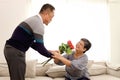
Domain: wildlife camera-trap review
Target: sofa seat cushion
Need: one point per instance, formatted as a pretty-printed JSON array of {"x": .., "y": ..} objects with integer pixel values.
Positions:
[
  {"x": 36, "y": 78},
  {"x": 59, "y": 79},
  {"x": 104, "y": 77},
  {"x": 8, "y": 78},
  {"x": 98, "y": 77},
  {"x": 4, "y": 78},
  {"x": 113, "y": 72},
  {"x": 39, "y": 78}
]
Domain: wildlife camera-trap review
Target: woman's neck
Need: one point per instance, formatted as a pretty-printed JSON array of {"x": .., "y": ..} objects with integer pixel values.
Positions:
[{"x": 78, "y": 54}]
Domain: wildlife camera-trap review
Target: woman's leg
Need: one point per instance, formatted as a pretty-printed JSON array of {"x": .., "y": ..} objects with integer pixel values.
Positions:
[
  {"x": 83, "y": 78},
  {"x": 66, "y": 78}
]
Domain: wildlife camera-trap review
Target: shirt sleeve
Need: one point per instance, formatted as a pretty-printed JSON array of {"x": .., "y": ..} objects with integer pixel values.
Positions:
[
  {"x": 80, "y": 63},
  {"x": 61, "y": 63},
  {"x": 41, "y": 49},
  {"x": 38, "y": 45}
]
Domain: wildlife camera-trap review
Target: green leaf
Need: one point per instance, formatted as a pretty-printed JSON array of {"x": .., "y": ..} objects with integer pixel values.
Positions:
[{"x": 68, "y": 51}]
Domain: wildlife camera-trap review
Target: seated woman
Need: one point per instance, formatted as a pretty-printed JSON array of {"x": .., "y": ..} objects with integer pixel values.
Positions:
[{"x": 76, "y": 62}]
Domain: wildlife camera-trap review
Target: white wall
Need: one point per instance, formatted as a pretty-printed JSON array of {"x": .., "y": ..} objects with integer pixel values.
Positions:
[
  {"x": 75, "y": 19},
  {"x": 11, "y": 13},
  {"x": 115, "y": 30},
  {"x": 14, "y": 11}
]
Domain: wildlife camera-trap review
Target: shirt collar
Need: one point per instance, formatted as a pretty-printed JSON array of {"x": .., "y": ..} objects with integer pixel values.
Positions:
[{"x": 40, "y": 17}]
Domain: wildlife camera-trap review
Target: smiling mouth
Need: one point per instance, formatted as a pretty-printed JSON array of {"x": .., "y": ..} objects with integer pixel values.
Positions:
[{"x": 77, "y": 48}]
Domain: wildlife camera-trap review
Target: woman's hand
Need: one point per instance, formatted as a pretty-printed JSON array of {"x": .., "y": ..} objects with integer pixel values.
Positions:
[{"x": 56, "y": 54}]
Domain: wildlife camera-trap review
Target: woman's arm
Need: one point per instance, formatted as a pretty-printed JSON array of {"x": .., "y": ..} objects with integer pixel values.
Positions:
[{"x": 57, "y": 58}]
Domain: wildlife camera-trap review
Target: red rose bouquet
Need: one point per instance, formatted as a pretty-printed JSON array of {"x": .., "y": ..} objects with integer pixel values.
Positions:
[
  {"x": 63, "y": 48},
  {"x": 67, "y": 48}
]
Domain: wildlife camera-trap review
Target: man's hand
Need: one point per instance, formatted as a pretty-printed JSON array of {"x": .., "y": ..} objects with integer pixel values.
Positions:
[{"x": 56, "y": 54}]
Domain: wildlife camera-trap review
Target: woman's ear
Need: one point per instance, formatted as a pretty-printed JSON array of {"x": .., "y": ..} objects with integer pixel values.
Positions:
[{"x": 84, "y": 49}]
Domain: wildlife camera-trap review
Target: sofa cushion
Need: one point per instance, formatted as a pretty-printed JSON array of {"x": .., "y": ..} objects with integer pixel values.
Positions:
[
  {"x": 40, "y": 69},
  {"x": 90, "y": 62},
  {"x": 30, "y": 69},
  {"x": 4, "y": 69},
  {"x": 96, "y": 69},
  {"x": 103, "y": 63},
  {"x": 56, "y": 71}
]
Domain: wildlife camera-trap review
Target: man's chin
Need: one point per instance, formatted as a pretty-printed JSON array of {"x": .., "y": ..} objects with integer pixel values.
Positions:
[{"x": 46, "y": 24}]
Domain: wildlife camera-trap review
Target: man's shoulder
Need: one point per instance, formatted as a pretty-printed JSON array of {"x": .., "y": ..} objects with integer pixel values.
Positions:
[
  {"x": 32, "y": 19},
  {"x": 33, "y": 16}
]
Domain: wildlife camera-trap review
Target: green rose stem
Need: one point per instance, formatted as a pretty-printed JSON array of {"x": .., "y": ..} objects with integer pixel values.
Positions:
[
  {"x": 67, "y": 48},
  {"x": 45, "y": 62}
]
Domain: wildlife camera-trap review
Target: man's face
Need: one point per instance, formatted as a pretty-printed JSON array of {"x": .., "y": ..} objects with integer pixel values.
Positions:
[{"x": 49, "y": 17}]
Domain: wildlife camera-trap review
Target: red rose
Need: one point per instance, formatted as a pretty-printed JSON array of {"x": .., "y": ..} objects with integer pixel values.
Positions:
[{"x": 70, "y": 44}]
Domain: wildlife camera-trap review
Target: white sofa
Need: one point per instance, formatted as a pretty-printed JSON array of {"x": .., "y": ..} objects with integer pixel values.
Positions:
[{"x": 35, "y": 71}]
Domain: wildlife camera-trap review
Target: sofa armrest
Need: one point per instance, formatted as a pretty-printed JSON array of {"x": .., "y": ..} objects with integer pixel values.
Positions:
[
  {"x": 113, "y": 69},
  {"x": 113, "y": 72}
]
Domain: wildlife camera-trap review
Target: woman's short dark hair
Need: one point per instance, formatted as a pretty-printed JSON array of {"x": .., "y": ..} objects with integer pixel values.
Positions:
[
  {"x": 47, "y": 7},
  {"x": 87, "y": 44}
]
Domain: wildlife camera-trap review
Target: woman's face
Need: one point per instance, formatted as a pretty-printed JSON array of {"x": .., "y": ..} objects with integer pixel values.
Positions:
[{"x": 80, "y": 46}]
